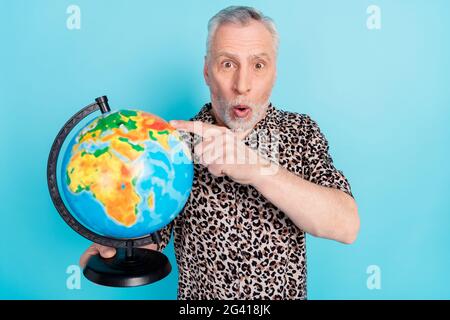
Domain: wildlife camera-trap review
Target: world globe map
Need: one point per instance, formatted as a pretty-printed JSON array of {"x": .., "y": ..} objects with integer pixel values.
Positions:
[{"x": 126, "y": 174}]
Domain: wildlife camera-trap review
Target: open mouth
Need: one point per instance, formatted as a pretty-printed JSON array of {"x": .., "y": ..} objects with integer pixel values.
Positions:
[{"x": 241, "y": 111}]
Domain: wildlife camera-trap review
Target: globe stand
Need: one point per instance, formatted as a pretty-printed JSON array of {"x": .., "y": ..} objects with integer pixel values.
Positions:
[{"x": 131, "y": 266}]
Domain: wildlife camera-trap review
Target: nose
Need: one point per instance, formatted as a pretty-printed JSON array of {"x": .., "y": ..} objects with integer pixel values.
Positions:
[{"x": 242, "y": 82}]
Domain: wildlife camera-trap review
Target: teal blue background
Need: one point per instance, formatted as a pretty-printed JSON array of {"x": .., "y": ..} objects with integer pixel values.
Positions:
[{"x": 381, "y": 97}]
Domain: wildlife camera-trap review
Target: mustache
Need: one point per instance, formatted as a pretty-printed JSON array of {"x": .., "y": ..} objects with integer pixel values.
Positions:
[{"x": 239, "y": 101}]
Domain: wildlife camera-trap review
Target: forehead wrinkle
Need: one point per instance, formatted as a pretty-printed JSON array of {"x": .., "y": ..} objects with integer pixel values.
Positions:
[{"x": 250, "y": 57}]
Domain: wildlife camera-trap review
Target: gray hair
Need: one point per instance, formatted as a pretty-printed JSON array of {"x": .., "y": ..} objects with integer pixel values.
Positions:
[{"x": 240, "y": 15}]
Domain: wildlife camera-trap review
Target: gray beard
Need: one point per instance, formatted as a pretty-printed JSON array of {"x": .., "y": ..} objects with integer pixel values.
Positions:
[{"x": 239, "y": 125}]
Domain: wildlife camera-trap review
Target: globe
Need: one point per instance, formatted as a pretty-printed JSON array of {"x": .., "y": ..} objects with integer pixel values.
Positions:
[{"x": 126, "y": 174}]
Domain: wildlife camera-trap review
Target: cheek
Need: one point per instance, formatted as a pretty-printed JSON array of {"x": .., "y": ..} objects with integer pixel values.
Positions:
[
  {"x": 264, "y": 88},
  {"x": 220, "y": 84},
  {"x": 270, "y": 79}
]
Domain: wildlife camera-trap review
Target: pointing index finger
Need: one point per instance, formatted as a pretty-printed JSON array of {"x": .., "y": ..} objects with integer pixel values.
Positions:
[{"x": 202, "y": 129}]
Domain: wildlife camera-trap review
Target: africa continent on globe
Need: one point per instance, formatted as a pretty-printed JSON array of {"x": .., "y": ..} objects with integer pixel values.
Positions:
[{"x": 126, "y": 174}]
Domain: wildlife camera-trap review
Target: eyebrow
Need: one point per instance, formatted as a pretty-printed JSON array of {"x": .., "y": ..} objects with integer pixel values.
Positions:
[
  {"x": 253, "y": 56},
  {"x": 260, "y": 55}
]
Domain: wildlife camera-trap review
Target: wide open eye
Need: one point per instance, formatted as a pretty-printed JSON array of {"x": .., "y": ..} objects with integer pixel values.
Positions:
[
  {"x": 227, "y": 64},
  {"x": 259, "y": 65}
]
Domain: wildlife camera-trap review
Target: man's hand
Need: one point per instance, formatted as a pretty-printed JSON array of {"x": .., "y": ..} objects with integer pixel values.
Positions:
[
  {"x": 105, "y": 252},
  {"x": 321, "y": 211},
  {"x": 223, "y": 151}
]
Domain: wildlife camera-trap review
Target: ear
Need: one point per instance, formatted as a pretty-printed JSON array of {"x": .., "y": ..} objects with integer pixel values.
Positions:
[{"x": 206, "y": 71}]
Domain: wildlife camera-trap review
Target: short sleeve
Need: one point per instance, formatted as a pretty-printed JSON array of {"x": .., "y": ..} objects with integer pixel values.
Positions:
[{"x": 317, "y": 164}]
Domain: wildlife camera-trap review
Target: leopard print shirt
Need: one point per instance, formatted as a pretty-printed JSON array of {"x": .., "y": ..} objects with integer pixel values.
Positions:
[{"x": 230, "y": 242}]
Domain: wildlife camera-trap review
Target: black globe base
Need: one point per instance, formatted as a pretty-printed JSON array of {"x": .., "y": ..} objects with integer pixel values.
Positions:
[{"x": 128, "y": 268}]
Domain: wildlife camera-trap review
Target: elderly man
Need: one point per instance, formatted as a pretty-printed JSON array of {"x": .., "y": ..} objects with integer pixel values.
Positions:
[{"x": 263, "y": 177}]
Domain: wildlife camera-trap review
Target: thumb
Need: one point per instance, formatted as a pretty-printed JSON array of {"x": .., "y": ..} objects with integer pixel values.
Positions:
[{"x": 106, "y": 252}]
